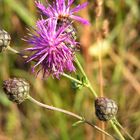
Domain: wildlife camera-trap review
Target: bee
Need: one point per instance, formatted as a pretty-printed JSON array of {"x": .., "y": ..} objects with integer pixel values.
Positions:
[
  {"x": 69, "y": 30},
  {"x": 64, "y": 22}
]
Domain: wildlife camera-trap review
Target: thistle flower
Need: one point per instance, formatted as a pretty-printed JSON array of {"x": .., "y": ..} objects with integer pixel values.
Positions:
[
  {"x": 50, "y": 50},
  {"x": 60, "y": 9}
]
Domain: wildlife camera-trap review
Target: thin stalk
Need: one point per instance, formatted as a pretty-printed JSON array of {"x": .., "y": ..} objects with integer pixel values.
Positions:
[
  {"x": 54, "y": 108},
  {"x": 16, "y": 52},
  {"x": 101, "y": 81},
  {"x": 72, "y": 78},
  {"x": 99, "y": 129},
  {"x": 117, "y": 130},
  {"x": 84, "y": 74},
  {"x": 119, "y": 125},
  {"x": 67, "y": 113},
  {"x": 95, "y": 94},
  {"x": 100, "y": 45}
]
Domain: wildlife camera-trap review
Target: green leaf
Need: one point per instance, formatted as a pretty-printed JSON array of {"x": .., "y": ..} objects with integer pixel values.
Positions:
[{"x": 78, "y": 122}]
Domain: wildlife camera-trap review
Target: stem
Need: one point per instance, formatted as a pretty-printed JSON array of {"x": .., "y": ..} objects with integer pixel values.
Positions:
[
  {"x": 113, "y": 124},
  {"x": 54, "y": 108},
  {"x": 102, "y": 124},
  {"x": 72, "y": 78},
  {"x": 84, "y": 74},
  {"x": 95, "y": 94},
  {"x": 119, "y": 125},
  {"x": 117, "y": 130},
  {"x": 16, "y": 52},
  {"x": 67, "y": 113},
  {"x": 99, "y": 129}
]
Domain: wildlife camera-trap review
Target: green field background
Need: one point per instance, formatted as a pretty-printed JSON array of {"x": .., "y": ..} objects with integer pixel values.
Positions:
[{"x": 121, "y": 74}]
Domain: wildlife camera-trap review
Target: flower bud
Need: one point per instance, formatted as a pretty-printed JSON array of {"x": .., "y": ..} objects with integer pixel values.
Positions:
[
  {"x": 16, "y": 89},
  {"x": 105, "y": 108},
  {"x": 4, "y": 40}
]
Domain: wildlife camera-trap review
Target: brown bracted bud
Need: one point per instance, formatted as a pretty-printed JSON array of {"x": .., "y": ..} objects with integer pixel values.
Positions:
[
  {"x": 16, "y": 89},
  {"x": 105, "y": 108},
  {"x": 4, "y": 40}
]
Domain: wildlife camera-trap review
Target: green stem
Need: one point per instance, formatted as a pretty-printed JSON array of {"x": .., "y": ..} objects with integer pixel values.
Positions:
[
  {"x": 72, "y": 78},
  {"x": 84, "y": 74},
  {"x": 95, "y": 94},
  {"x": 80, "y": 67},
  {"x": 117, "y": 130},
  {"x": 119, "y": 125},
  {"x": 16, "y": 52},
  {"x": 67, "y": 113}
]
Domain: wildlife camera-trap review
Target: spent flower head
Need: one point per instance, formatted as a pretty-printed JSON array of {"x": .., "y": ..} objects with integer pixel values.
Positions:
[
  {"x": 61, "y": 9},
  {"x": 50, "y": 49}
]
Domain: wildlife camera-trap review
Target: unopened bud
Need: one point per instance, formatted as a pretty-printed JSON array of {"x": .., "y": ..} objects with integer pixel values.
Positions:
[
  {"x": 105, "y": 108},
  {"x": 16, "y": 89},
  {"x": 4, "y": 40}
]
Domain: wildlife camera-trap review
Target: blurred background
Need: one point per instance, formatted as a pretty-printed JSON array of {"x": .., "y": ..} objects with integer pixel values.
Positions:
[{"x": 117, "y": 32}]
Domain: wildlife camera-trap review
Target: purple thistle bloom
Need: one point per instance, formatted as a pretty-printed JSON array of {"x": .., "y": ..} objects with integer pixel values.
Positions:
[
  {"x": 50, "y": 50},
  {"x": 60, "y": 10}
]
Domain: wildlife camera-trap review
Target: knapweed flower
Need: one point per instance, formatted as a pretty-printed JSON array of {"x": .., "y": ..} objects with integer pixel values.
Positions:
[
  {"x": 50, "y": 50},
  {"x": 60, "y": 9}
]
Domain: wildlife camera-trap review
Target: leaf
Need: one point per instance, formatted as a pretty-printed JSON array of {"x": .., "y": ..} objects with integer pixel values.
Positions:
[{"x": 78, "y": 122}]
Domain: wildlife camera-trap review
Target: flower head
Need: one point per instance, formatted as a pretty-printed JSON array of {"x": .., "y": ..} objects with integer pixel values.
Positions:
[
  {"x": 60, "y": 9},
  {"x": 4, "y": 40},
  {"x": 50, "y": 49},
  {"x": 105, "y": 108},
  {"x": 17, "y": 89}
]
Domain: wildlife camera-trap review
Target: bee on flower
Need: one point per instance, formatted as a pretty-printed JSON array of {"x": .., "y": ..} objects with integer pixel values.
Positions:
[{"x": 54, "y": 41}]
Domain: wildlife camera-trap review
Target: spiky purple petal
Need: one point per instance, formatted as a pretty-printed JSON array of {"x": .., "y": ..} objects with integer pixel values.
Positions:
[
  {"x": 59, "y": 9},
  {"x": 50, "y": 50}
]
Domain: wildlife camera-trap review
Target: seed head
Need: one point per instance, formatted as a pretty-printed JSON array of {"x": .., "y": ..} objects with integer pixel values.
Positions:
[
  {"x": 4, "y": 40},
  {"x": 16, "y": 89},
  {"x": 105, "y": 108}
]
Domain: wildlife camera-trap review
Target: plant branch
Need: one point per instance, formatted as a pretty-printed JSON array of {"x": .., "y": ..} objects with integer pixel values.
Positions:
[
  {"x": 54, "y": 108},
  {"x": 67, "y": 113},
  {"x": 119, "y": 125},
  {"x": 84, "y": 74},
  {"x": 117, "y": 130},
  {"x": 72, "y": 78},
  {"x": 95, "y": 94},
  {"x": 16, "y": 52}
]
